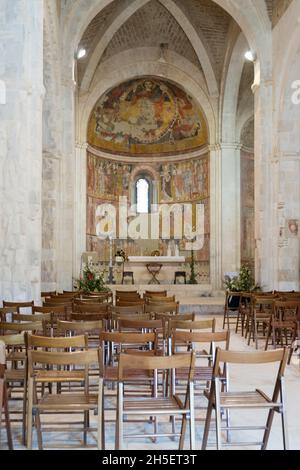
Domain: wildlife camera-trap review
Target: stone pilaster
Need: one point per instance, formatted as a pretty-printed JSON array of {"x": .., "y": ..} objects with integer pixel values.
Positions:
[
  {"x": 231, "y": 207},
  {"x": 21, "y": 45},
  {"x": 80, "y": 206},
  {"x": 215, "y": 217},
  {"x": 266, "y": 189}
]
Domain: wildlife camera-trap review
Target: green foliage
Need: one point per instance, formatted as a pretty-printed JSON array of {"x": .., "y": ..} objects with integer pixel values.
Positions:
[
  {"x": 244, "y": 282},
  {"x": 193, "y": 278},
  {"x": 91, "y": 280}
]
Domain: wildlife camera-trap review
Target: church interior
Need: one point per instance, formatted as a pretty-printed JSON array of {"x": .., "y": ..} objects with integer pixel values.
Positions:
[{"x": 149, "y": 234}]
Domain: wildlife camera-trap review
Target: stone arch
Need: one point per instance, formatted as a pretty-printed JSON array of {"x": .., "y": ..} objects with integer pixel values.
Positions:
[
  {"x": 231, "y": 92},
  {"x": 251, "y": 16},
  {"x": 135, "y": 70}
]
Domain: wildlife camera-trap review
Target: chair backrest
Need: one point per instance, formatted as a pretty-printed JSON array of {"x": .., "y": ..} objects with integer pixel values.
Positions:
[
  {"x": 81, "y": 307},
  {"x": 48, "y": 294},
  {"x": 34, "y": 341},
  {"x": 92, "y": 316},
  {"x": 79, "y": 358},
  {"x": 129, "y": 362},
  {"x": 128, "y": 303},
  {"x": 14, "y": 340},
  {"x": 149, "y": 293},
  {"x": 159, "y": 300},
  {"x": 123, "y": 293},
  {"x": 21, "y": 317},
  {"x": 178, "y": 324},
  {"x": 129, "y": 310},
  {"x": 170, "y": 307},
  {"x": 192, "y": 338},
  {"x": 80, "y": 326},
  {"x": 18, "y": 305},
  {"x": 179, "y": 316},
  {"x": 287, "y": 309},
  {"x": 19, "y": 327},
  {"x": 139, "y": 324},
  {"x": 58, "y": 303},
  {"x": 246, "y": 357}
]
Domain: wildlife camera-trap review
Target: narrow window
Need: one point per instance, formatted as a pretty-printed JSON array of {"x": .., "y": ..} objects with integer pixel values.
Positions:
[{"x": 142, "y": 195}]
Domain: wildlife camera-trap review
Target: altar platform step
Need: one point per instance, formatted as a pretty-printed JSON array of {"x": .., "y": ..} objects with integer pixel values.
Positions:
[{"x": 193, "y": 298}]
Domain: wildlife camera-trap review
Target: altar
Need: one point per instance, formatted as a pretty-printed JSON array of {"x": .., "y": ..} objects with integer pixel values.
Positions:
[{"x": 143, "y": 274}]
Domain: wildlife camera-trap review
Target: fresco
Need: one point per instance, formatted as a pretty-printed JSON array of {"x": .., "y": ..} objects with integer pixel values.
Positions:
[
  {"x": 107, "y": 179},
  {"x": 147, "y": 116},
  {"x": 184, "y": 181}
]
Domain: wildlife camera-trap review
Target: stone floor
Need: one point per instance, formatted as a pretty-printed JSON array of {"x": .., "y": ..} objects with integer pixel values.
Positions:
[{"x": 259, "y": 376}]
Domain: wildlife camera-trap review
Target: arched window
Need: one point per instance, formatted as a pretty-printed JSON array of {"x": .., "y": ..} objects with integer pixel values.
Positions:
[{"x": 143, "y": 198}]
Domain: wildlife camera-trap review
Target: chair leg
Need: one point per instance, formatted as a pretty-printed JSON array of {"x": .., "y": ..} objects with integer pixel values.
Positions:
[
  {"x": 268, "y": 429},
  {"x": 283, "y": 417},
  {"x": 208, "y": 419},
  {"x": 1, "y": 400},
  {"x": 100, "y": 419},
  {"x": 29, "y": 414},
  {"x": 218, "y": 415},
  {"x": 192, "y": 418},
  {"x": 24, "y": 413},
  {"x": 38, "y": 423},
  {"x": 182, "y": 432},
  {"x": 7, "y": 420}
]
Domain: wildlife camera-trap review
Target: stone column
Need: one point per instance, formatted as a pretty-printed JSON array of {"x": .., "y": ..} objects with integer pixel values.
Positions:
[
  {"x": 215, "y": 217},
  {"x": 266, "y": 190},
  {"x": 80, "y": 207},
  {"x": 21, "y": 46},
  {"x": 51, "y": 222},
  {"x": 68, "y": 190},
  {"x": 231, "y": 207}
]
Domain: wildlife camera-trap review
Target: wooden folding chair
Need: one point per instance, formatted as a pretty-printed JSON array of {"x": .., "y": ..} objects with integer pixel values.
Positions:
[
  {"x": 81, "y": 401},
  {"x": 155, "y": 406},
  {"x": 231, "y": 308},
  {"x": 133, "y": 343},
  {"x": 228, "y": 400}
]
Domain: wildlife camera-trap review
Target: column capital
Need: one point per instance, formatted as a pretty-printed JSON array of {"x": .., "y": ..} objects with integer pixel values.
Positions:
[
  {"x": 230, "y": 146},
  {"x": 81, "y": 145}
]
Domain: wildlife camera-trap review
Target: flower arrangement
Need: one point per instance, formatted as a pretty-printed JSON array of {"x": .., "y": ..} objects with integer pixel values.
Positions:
[
  {"x": 91, "y": 280},
  {"x": 244, "y": 282},
  {"x": 121, "y": 254}
]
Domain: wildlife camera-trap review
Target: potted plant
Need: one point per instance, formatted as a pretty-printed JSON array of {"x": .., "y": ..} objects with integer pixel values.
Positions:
[
  {"x": 91, "y": 280},
  {"x": 243, "y": 282}
]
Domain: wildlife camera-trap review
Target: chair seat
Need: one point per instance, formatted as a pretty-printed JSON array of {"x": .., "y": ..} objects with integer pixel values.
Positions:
[
  {"x": 15, "y": 375},
  {"x": 59, "y": 376},
  {"x": 65, "y": 402},
  {"x": 253, "y": 399},
  {"x": 141, "y": 405},
  {"x": 200, "y": 373},
  {"x": 16, "y": 356},
  {"x": 111, "y": 374}
]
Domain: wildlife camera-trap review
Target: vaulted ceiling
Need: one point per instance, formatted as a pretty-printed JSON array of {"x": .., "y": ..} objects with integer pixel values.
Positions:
[{"x": 153, "y": 25}]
